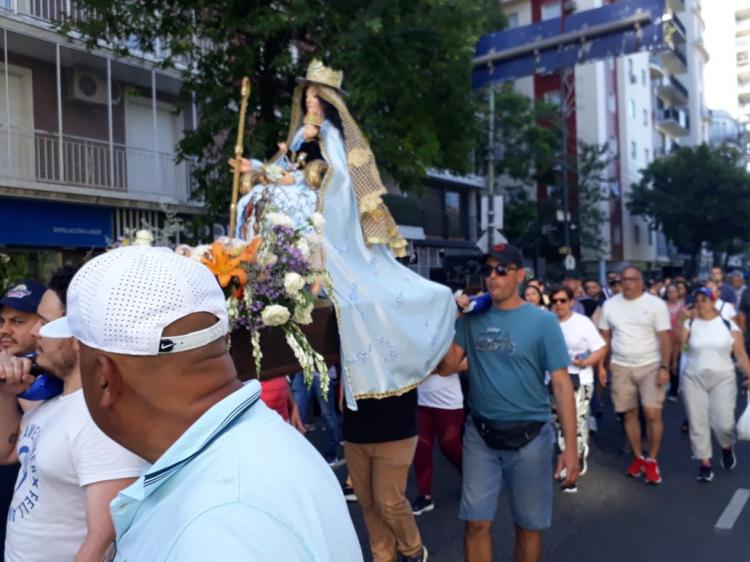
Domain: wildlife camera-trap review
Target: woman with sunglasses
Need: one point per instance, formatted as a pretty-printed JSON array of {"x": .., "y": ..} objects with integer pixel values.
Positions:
[
  {"x": 586, "y": 348},
  {"x": 709, "y": 386}
]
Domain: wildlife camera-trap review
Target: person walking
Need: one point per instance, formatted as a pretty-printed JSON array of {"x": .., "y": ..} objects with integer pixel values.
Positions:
[
  {"x": 440, "y": 414},
  {"x": 635, "y": 325},
  {"x": 586, "y": 349},
  {"x": 508, "y": 439},
  {"x": 709, "y": 386},
  {"x": 676, "y": 307}
]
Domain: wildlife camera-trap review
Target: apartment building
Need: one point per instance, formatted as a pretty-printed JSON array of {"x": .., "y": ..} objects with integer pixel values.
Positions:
[
  {"x": 87, "y": 141},
  {"x": 641, "y": 106},
  {"x": 742, "y": 52}
]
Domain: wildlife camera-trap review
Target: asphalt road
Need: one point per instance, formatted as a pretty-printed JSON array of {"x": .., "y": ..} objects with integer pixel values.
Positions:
[{"x": 612, "y": 518}]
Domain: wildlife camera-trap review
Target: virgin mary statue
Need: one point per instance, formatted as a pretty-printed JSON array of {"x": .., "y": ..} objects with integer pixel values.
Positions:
[{"x": 394, "y": 325}]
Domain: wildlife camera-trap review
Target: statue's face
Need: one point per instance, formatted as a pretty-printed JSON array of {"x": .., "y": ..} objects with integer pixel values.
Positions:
[{"x": 312, "y": 101}]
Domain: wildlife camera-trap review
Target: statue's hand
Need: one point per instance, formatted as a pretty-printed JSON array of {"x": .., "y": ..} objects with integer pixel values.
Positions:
[{"x": 244, "y": 165}]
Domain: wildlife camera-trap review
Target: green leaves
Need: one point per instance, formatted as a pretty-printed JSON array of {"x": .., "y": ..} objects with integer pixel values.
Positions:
[{"x": 407, "y": 67}]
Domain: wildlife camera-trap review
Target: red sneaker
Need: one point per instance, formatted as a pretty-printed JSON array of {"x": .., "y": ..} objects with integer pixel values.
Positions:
[
  {"x": 636, "y": 468},
  {"x": 653, "y": 475}
]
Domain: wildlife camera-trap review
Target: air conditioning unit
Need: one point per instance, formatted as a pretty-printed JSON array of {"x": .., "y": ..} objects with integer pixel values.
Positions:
[{"x": 89, "y": 87}]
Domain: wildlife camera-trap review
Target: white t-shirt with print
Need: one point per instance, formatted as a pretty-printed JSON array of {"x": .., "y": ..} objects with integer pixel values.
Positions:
[
  {"x": 581, "y": 336},
  {"x": 709, "y": 346},
  {"x": 437, "y": 391},
  {"x": 634, "y": 324},
  {"x": 61, "y": 450}
]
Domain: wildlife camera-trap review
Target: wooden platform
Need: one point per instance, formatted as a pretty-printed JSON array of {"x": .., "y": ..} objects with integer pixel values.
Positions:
[{"x": 278, "y": 358}]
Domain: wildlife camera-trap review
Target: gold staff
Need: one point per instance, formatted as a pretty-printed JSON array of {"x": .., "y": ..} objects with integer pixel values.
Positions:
[{"x": 238, "y": 156}]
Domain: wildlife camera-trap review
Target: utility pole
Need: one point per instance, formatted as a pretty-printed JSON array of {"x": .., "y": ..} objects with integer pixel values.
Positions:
[
  {"x": 564, "y": 115},
  {"x": 491, "y": 170}
]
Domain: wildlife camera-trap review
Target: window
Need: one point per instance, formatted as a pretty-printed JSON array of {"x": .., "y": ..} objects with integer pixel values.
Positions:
[
  {"x": 647, "y": 155},
  {"x": 611, "y": 102},
  {"x": 453, "y": 213},
  {"x": 631, "y": 108},
  {"x": 643, "y": 76},
  {"x": 612, "y": 145},
  {"x": 650, "y": 237},
  {"x": 636, "y": 234},
  {"x": 630, "y": 67},
  {"x": 512, "y": 20},
  {"x": 633, "y": 150},
  {"x": 552, "y": 97},
  {"x": 550, "y": 11},
  {"x": 645, "y": 117}
]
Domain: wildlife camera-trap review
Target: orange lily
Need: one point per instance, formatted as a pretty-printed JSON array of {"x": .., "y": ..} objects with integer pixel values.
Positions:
[
  {"x": 224, "y": 266},
  {"x": 250, "y": 251}
]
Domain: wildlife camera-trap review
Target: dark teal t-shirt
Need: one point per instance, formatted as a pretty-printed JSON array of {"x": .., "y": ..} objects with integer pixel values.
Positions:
[{"x": 509, "y": 352}]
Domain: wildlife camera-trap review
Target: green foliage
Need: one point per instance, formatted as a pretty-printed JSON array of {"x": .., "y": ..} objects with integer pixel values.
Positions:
[
  {"x": 406, "y": 66},
  {"x": 592, "y": 188},
  {"x": 696, "y": 195},
  {"x": 13, "y": 267}
]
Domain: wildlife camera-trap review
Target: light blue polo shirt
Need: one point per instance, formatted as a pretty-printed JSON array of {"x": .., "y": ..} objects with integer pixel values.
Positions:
[{"x": 240, "y": 484}]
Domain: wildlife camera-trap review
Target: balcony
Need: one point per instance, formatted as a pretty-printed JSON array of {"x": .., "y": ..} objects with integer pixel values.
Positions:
[
  {"x": 673, "y": 59},
  {"x": 672, "y": 90},
  {"x": 743, "y": 91},
  {"x": 39, "y": 159},
  {"x": 48, "y": 11},
  {"x": 673, "y": 121}
]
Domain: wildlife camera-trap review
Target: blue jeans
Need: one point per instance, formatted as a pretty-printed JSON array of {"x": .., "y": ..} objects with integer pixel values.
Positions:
[
  {"x": 303, "y": 395},
  {"x": 527, "y": 473}
]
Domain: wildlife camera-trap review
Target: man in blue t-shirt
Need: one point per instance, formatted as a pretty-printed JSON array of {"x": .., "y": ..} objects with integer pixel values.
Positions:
[{"x": 508, "y": 438}]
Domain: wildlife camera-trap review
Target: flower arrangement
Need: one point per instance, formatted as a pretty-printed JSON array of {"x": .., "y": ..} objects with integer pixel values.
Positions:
[{"x": 272, "y": 282}]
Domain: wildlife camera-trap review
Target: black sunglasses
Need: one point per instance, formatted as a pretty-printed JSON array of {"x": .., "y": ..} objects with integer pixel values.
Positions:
[
  {"x": 500, "y": 270},
  {"x": 558, "y": 301}
]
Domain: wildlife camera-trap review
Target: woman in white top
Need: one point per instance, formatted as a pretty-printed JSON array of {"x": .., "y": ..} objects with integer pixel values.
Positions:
[
  {"x": 709, "y": 386},
  {"x": 586, "y": 348}
]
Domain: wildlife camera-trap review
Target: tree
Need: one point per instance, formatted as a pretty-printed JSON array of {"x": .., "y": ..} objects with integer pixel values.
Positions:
[
  {"x": 406, "y": 66},
  {"x": 697, "y": 195},
  {"x": 592, "y": 189}
]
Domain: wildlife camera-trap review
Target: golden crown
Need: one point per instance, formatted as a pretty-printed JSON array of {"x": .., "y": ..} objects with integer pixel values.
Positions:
[
  {"x": 320, "y": 73},
  {"x": 313, "y": 119}
]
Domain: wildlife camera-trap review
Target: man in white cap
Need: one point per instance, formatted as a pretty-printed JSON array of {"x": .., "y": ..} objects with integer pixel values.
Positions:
[
  {"x": 70, "y": 470},
  {"x": 230, "y": 480}
]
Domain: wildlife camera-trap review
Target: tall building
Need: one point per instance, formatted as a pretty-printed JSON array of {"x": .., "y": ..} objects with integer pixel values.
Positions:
[
  {"x": 87, "y": 141},
  {"x": 742, "y": 53},
  {"x": 641, "y": 106}
]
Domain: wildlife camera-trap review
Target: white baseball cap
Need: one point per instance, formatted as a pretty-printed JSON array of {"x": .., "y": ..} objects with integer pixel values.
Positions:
[{"x": 121, "y": 302}]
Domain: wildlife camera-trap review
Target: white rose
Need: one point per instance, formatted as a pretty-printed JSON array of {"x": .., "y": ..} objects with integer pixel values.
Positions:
[
  {"x": 318, "y": 221},
  {"x": 267, "y": 259},
  {"x": 275, "y": 315},
  {"x": 303, "y": 248},
  {"x": 293, "y": 283},
  {"x": 279, "y": 219},
  {"x": 200, "y": 252},
  {"x": 303, "y": 314}
]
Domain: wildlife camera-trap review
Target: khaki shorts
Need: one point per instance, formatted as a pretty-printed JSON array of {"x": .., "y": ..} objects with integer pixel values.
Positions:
[{"x": 628, "y": 383}]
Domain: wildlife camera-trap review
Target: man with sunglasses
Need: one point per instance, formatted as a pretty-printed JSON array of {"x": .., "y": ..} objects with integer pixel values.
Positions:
[
  {"x": 636, "y": 327},
  {"x": 508, "y": 439}
]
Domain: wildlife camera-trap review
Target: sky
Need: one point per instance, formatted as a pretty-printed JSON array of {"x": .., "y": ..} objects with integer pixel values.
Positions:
[{"x": 720, "y": 78}]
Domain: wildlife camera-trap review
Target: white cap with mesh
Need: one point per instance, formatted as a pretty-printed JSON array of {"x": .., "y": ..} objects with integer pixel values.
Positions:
[{"x": 121, "y": 302}]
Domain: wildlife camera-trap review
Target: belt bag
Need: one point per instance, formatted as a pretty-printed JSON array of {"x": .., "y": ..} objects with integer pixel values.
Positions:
[{"x": 508, "y": 435}]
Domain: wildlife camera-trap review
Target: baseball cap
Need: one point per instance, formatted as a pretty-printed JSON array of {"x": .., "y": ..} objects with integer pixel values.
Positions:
[
  {"x": 706, "y": 292},
  {"x": 121, "y": 302},
  {"x": 506, "y": 254},
  {"x": 24, "y": 296}
]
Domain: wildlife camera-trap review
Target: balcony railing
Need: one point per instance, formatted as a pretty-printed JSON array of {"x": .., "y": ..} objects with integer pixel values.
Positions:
[
  {"x": 38, "y": 157},
  {"x": 47, "y": 10}
]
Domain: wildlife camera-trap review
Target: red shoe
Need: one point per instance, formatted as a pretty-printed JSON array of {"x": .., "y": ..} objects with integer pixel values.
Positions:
[
  {"x": 653, "y": 475},
  {"x": 636, "y": 468}
]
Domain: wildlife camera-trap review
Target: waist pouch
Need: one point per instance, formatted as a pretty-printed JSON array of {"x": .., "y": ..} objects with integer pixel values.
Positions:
[{"x": 508, "y": 435}]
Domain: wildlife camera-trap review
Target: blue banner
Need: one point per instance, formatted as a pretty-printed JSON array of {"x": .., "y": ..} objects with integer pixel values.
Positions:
[
  {"x": 550, "y": 57},
  {"x": 25, "y": 222}
]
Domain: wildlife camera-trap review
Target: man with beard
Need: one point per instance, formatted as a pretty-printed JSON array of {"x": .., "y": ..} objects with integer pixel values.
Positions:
[
  {"x": 17, "y": 320},
  {"x": 70, "y": 470}
]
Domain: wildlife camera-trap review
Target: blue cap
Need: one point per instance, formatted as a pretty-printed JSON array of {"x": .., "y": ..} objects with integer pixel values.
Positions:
[{"x": 24, "y": 296}]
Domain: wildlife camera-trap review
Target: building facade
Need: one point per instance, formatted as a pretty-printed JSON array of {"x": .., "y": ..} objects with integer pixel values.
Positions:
[
  {"x": 87, "y": 141},
  {"x": 640, "y": 106}
]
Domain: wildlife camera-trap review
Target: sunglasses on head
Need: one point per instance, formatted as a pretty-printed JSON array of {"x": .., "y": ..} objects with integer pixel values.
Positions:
[
  {"x": 559, "y": 301},
  {"x": 500, "y": 270}
]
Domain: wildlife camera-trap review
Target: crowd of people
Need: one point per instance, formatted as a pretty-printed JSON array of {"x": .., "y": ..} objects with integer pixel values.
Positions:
[{"x": 523, "y": 384}]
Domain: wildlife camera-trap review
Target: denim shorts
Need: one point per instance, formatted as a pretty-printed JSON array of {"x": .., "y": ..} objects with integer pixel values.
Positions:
[{"x": 527, "y": 472}]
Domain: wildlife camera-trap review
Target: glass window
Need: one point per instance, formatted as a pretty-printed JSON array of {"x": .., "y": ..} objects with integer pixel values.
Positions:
[
  {"x": 512, "y": 20},
  {"x": 611, "y": 102},
  {"x": 643, "y": 76},
  {"x": 647, "y": 155},
  {"x": 550, "y": 11},
  {"x": 633, "y": 150},
  {"x": 636, "y": 234},
  {"x": 453, "y": 213},
  {"x": 645, "y": 117},
  {"x": 631, "y": 108}
]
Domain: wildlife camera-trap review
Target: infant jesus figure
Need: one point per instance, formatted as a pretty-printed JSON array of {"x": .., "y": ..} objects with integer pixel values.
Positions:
[{"x": 288, "y": 186}]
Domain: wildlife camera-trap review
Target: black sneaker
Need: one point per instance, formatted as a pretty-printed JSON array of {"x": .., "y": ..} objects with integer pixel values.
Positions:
[
  {"x": 728, "y": 460},
  {"x": 705, "y": 473},
  {"x": 349, "y": 494},
  {"x": 569, "y": 488},
  {"x": 421, "y": 557},
  {"x": 421, "y": 505}
]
